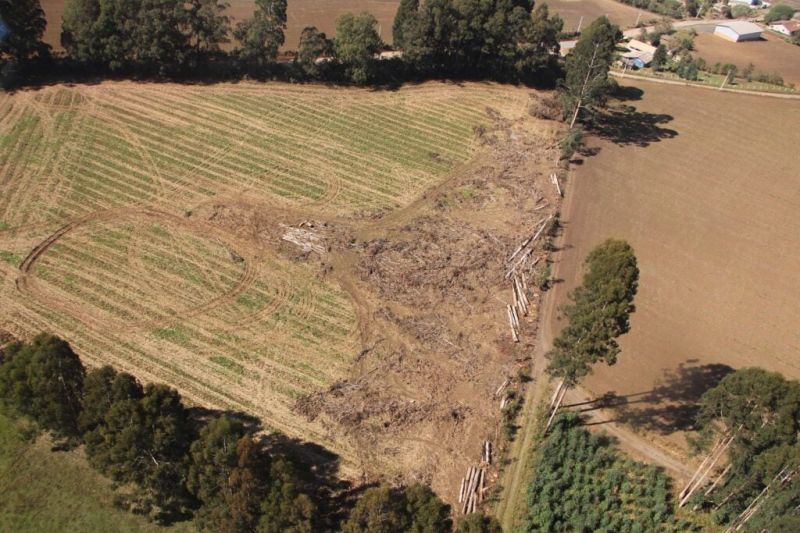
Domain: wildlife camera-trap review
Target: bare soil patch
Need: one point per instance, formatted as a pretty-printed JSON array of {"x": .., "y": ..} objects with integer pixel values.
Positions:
[
  {"x": 771, "y": 54},
  {"x": 708, "y": 196}
]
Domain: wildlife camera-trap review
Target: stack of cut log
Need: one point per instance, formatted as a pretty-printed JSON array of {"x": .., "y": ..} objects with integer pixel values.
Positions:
[
  {"x": 473, "y": 486},
  {"x": 520, "y": 256},
  {"x": 519, "y": 283}
]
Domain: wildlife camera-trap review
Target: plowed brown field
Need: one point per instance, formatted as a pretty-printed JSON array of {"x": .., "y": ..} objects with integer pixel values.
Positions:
[
  {"x": 707, "y": 190},
  {"x": 771, "y": 54}
]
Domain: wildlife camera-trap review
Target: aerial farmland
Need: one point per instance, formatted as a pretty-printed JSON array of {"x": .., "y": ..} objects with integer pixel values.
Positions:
[{"x": 432, "y": 266}]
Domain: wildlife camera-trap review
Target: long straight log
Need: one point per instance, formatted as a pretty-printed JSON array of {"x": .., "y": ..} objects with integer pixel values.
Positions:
[
  {"x": 470, "y": 476},
  {"x": 521, "y": 291},
  {"x": 514, "y": 334},
  {"x": 554, "y": 179},
  {"x": 516, "y": 317},
  {"x": 556, "y": 393},
  {"x": 461, "y": 491},
  {"x": 699, "y": 469},
  {"x": 501, "y": 387},
  {"x": 555, "y": 408},
  {"x": 699, "y": 483},
  {"x": 716, "y": 481}
]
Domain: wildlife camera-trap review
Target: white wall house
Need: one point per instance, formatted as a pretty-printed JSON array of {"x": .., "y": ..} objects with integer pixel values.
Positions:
[
  {"x": 786, "y": 27},
  {"x": 737, "y": 31}
]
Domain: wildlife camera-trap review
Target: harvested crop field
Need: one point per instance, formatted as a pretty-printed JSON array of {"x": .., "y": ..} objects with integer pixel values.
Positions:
[
  {"x": 705, "y": 187},
  {"x": 572, "y": 10},
  {"x": 288, "y": 251},
  {"x": 768, "y": 55},
  {"x": 301, "y": 13}
]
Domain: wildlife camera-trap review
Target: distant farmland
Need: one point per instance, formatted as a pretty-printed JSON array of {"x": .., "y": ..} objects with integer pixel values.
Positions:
[
  {"x": 107, "y": 197},
  {"x": 573, "y": 10},
  {"x": 768, "y": 55},
  {"x": 302, "y": 13},
  {"x": 704, "y": 186}
]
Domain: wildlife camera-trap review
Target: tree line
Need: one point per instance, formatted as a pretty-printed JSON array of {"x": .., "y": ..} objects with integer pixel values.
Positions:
[
  {"x": 494, "y": 39},
  {"x": 188, "y": 464}
]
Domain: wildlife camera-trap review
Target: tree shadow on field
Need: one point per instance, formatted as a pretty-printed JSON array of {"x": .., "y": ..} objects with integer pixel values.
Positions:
[
  {"x": 627, "y": 93},
  {"x": 625, "y": 126},
  {"x": 672, "y": 405}
]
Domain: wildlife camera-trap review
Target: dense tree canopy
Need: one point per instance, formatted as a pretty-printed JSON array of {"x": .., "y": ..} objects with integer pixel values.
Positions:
[
  {"x": 102, "y": 388},
  {"x": 386, "y": 510},
  {"x": 598, "y": 313},
  {"x": 760, "y": 410},
  {"x": 208, "y": 26},
  {"x": 498, "y": 39},
  {"x": 493, "y": 38},
  {"x": 148, "y": 36},
  {"x": 478, "y": 523},
  {"x": 25, "y": 23},
  {"x": 44, "y": 380},
  {"x": 313, "y": 45},
  {"x": 146, "y": 441},
  {"x": 406, "y": 14},
  {"x": 213, "y": 457},
  {"x": 356, "y": 43},
  {"x": 262, "y": 35}
]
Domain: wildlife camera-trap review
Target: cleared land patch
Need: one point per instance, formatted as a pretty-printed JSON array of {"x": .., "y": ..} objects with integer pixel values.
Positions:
[
  {"x": 120, "y": 230},
  {"x": 703, "y": 186}
]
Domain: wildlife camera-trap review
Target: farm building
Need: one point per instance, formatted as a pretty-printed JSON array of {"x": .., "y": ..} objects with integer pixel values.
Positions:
[
  {"x": 786, "y": 27},
  {"x": 738, "y": 31},
  {"x": 636, "y": 59},
  {"x": 635, "y": 45}
]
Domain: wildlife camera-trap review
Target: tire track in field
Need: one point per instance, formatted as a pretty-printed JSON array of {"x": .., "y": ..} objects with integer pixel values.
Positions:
[{"x": 26, "y": 281}]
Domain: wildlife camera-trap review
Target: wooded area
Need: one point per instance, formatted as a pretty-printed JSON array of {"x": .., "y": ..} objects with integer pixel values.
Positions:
[{"x": 214, "y": 468}]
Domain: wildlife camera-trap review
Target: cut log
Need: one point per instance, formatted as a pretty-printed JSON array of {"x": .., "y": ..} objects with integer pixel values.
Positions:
[
  {"x": 514, "y": 334},
  {"x": 501, "y": 387},
  {"x": 716, "y": 481},
  {"x": 554, "y": 179}
]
